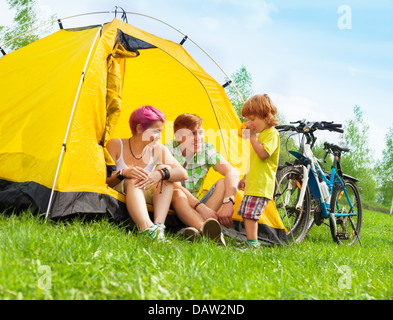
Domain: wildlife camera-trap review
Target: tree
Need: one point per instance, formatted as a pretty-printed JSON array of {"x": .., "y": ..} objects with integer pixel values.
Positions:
[
  {"x": 359, "y": 162},
  {"x": 385, "y": 170},
  {"x": 26, "y": 18},
  {"x": 242, "y": 79}
]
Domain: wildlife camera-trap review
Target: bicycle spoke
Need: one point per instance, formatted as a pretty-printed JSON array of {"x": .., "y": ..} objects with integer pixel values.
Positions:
[
  {"x": 286, "y": 198},
  {"x": 347, "y": 208}
]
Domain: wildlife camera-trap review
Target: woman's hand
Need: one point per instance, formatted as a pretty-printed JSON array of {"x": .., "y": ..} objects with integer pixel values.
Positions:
[
  {"x": 152, "y": 178},
  {"x": 135, "y": 172}
]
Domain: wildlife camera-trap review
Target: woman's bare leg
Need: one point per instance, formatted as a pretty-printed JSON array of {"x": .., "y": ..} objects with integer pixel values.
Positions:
[{"x": 136, "y": 205}]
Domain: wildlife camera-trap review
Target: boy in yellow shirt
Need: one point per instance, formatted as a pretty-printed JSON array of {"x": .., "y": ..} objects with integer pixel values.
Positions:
[{"x": 259, "y": 182}]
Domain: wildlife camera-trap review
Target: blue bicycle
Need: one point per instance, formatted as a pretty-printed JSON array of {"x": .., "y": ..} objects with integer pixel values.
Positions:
[{"x": 304, "y": 187}]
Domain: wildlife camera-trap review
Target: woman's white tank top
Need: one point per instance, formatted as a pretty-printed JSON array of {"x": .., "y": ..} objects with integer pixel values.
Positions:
[{"x": 120, "y": 164}]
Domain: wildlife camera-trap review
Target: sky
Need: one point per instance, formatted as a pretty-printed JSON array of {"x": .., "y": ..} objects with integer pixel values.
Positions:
[{"x": 316, "y": 59}]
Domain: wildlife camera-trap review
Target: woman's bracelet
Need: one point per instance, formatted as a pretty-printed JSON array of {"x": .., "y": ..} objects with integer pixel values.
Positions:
[
  {"x": 196, "y": 206},
  {"x": 165, "y": 174}
]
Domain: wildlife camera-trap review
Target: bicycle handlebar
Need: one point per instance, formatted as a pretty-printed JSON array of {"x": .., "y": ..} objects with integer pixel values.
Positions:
[{"x": 309, "y": 127}]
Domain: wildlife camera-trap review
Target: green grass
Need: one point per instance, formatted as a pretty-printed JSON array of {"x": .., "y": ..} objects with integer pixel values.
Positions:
[{"x": 99, "y": 260}]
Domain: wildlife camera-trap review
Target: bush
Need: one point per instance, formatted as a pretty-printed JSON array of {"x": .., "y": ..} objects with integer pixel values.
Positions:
[{"x": 374, "y": 206}]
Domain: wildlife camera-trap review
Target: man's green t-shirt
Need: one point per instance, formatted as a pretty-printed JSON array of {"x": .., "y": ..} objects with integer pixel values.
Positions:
[{"x": 198, "y": 167}]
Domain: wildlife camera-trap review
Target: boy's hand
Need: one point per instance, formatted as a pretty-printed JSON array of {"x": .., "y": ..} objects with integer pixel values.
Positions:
[
  {"x": 242, "y": 184},
  {"x": 248, "y": 133}
]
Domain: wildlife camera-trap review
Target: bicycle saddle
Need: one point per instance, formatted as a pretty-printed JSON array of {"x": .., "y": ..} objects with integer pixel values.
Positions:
[{"x": 335, "y": 147}]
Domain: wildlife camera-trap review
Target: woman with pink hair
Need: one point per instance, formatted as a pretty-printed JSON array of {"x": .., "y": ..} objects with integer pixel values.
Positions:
[{"x": 145, "y": 171}]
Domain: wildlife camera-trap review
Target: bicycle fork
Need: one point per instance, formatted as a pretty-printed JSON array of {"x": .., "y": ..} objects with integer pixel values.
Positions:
[{"x": 306, "y": 170}]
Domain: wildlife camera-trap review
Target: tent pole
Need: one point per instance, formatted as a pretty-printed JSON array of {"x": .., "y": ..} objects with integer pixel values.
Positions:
[
  {"x": 143, "y": 15},
  {"x": 200, "y": 48},
  {"x": 63, "y": 148}
]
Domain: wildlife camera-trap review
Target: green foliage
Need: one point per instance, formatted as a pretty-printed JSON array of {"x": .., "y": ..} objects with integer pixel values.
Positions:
[
  {"x": 385, "y": 170},
  {"x": 287, "y": 143},
  {"x": 26, "y": 18},
  {"x": 242, "y": 79},
  {"x": 319, "y": 152},
  {"x": 375, "y": 206},
  {"x": 359, "y": 162}
]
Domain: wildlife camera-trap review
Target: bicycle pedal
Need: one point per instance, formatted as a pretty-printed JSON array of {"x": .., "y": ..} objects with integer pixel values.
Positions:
[
  {"x": 318, "y": 215},
  {"x": 342, "y": 235}
]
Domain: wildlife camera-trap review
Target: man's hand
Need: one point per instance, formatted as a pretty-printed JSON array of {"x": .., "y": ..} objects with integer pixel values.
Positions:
[
  {"x": 225, "y": 216},
  {"x": 206, "y": 212}
]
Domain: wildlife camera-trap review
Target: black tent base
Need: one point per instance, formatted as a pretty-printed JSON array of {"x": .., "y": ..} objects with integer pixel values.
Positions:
[{"x": 31, "y": 196}]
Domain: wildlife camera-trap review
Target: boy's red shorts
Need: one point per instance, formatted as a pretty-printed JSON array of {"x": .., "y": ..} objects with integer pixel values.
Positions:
[{"x": 252, "y": 207}]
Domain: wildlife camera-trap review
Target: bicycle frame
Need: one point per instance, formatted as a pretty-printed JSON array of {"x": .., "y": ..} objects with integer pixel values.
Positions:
[{"x": 312, "y": 174}]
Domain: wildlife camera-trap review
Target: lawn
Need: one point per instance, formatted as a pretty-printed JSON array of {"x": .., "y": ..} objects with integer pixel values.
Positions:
[{"x": 100, "y": 260}]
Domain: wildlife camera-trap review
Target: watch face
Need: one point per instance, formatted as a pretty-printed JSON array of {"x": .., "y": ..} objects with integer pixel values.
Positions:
[{"x": 228, "y": 199}]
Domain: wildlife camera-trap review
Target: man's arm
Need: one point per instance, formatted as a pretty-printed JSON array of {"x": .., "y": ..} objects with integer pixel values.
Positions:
[
  {"x": 231, "y": 180},
  {"x": 202, "y": 209}
]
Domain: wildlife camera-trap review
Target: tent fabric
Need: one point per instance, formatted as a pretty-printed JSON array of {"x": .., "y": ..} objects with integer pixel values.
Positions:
[{"x": 128, "y": 68}]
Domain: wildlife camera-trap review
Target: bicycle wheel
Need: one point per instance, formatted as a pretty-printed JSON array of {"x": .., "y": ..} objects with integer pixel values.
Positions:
[
  {"x": 286, "y": 196},
  {"x": 314, "y": 206},
  {"x": 347, "y": 228}
]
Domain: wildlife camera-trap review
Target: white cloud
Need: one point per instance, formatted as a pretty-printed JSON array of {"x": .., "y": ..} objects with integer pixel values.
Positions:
[
  {"x": 210, "y": 23},
  {"x": 353, "y": 71},
  {"x": 260, "y": 12},
  {"x": 297, "y": 108},
  {"x": 376, "y": 138},
  {"x": 256, "y": 12},
  {"x": 6, "y": 15}
]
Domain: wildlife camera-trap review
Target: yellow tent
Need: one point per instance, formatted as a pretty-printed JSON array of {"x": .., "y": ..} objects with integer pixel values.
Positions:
[{"x": 64, "y": 96}]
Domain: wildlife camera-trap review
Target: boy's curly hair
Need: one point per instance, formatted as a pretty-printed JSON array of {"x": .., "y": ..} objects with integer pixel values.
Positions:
[{"x": 262, "y": 106}]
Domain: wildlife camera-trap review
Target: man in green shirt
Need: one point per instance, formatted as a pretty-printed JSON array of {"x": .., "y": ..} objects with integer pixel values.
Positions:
[{"x": 201, "y": 213}]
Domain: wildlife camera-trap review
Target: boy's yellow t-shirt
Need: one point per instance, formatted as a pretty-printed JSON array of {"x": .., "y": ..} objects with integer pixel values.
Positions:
[{"x": 260, "y": 178}]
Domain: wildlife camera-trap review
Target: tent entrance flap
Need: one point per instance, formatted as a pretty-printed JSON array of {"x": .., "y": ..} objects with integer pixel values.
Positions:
[{"x": 125, "y": 47}]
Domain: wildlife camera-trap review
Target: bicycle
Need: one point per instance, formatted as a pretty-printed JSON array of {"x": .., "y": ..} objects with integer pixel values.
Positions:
[{"x": 335, "y": 195}]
